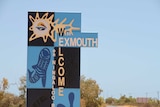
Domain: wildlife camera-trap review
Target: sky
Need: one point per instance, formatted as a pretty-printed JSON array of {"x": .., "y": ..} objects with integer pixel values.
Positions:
[{"x": 127, "y": 60}]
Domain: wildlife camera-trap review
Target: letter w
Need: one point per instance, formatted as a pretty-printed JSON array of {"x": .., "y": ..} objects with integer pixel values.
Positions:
[{"x": 61, "y": 31}]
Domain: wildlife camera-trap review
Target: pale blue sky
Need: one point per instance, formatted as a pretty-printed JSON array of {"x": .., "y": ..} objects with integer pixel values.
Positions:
[{"x": 127, "y": 60}]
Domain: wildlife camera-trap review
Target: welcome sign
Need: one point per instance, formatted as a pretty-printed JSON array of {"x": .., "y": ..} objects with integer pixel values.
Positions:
[{"x": 53, "y": 65}]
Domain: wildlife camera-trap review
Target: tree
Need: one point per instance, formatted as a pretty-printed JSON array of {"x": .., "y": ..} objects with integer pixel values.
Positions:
[
  {"x": 7, "y": 99},
  {"x": 3, "y": 87},
  {"x": 10, "y": 100},
  {"x": 22, "y": 90},
  {"x": 4, "y": 84},
  {"x": 22, "y": 87},
  {"x": 90, "y": 92},
  {"x": 110, "y": 100}
]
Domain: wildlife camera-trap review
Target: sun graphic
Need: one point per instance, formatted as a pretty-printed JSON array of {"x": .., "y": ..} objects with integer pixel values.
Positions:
[{"x": 41, "y": 27}]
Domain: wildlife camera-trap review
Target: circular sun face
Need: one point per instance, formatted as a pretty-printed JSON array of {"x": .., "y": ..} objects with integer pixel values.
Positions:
[{"x": 41, "y": 27}]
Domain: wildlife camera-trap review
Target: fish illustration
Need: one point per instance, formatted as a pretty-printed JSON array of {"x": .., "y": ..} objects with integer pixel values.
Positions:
[{"x": 40, "y": 68}]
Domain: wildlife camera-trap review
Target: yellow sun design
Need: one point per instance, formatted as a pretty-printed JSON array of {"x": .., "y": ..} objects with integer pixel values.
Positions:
[{"x": 41, "y": 27}]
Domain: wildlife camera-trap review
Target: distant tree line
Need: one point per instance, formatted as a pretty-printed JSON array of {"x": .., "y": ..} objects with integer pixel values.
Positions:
[
  {"x": 90, "y": 94},
  {"x": 123, "y": 100}
]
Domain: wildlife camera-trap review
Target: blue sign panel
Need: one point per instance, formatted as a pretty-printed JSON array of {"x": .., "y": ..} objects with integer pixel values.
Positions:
[
  {"x": 39, "y": 67},
  {"x": 53, "y": 65}
]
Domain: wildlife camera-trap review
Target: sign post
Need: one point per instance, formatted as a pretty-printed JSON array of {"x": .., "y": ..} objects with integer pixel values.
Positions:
[{"x": 53, "y": 65}]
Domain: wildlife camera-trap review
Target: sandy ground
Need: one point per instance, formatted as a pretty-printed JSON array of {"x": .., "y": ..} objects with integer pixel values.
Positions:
[{"x": 121, "y": 106}]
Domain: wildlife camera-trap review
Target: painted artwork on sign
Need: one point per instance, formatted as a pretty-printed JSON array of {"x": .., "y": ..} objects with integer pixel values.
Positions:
[
  {"x": 39, "y": 67},
  {"x": 53, "y": 64}
]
